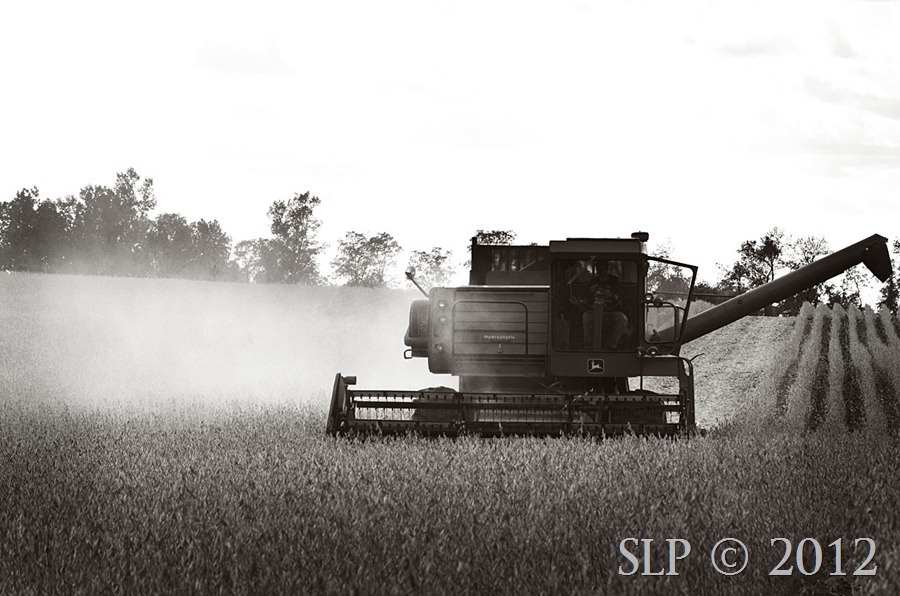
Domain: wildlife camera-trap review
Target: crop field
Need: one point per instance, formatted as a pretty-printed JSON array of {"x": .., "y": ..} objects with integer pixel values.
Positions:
[
  {"x": 168, "y": 436},
  {"x": 841, "y": 371}
]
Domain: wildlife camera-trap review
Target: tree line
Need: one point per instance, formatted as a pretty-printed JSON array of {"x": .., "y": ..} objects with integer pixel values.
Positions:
[
  {"x": 108, "y": 230},
  {"x": 760, "y": 261}
]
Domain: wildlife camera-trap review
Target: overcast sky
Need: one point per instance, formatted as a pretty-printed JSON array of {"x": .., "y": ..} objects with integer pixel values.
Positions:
[{"x": 703, "y": 123}]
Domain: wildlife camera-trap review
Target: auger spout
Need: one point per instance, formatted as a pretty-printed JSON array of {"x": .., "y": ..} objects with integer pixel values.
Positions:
[{"x": 872, "y": 251}]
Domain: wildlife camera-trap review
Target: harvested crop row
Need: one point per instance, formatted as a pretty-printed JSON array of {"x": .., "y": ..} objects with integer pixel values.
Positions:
[
  {"x": 819, "y": 387},
  {"x": 852, "y": 390},
  {"x": 835, "y": 408}
]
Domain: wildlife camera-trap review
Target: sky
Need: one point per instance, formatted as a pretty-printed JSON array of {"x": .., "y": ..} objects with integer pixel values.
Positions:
[{"x": 703, "y": 123}]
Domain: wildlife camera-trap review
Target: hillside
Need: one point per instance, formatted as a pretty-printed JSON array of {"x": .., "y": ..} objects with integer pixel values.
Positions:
[{"x": 731, "y": 366}]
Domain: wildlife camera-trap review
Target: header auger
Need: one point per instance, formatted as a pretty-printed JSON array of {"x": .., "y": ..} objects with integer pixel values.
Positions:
[{"x": 564, "y": 339}]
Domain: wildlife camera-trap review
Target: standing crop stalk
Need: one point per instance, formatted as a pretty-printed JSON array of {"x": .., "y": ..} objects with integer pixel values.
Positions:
[
  {"x": 895, "y": 323},
  {"x": 872, "y": 414},
  {"x": 784, "y": 366},
  {"x": 884, "y": 365},
  {"x": 798, "y": 403},
  {"x": 888, "y": 324}
]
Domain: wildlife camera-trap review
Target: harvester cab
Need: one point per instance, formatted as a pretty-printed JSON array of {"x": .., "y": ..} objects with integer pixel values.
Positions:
[{"x": 579, "y": 336}]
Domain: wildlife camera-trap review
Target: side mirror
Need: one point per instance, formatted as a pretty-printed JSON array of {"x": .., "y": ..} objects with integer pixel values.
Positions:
[{"x": 411, "y": 276}]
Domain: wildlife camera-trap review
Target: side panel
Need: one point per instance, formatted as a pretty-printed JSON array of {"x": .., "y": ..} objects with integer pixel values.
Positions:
[{"x": 496, "y": 331}]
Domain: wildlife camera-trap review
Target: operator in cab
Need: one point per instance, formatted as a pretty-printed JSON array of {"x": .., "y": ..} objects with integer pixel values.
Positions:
[{"x": 612, "y": 323}]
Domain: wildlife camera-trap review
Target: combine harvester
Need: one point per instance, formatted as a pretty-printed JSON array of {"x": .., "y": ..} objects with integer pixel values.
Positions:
[{"x": 559, "y": 339}]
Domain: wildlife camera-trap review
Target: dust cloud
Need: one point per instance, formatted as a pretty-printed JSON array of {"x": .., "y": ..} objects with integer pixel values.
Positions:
[{"x": 89, "y": 341}]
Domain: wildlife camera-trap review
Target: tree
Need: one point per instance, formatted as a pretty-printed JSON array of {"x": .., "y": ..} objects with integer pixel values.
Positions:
[
  {"x": 108, "y": 230},
  {"x": 295, "y": 228},
  {"x": 168, "y": 245},
  {"x": 498, "y": 237},
  {"x": 432, "y": 268},
  {"x": 799, "y": 253},
  {"x": 890, "y": 293},
  {"x": 492, "y": 237},
  {"x": 196, "y": 251},
  {"x": 804, "y": 250},
  {"x": 16, "y": 224},
  {"x": 849, "y": 289},
  {"x": 33, "y": 233},
  {"x": 757, "y": 262},
  {"x": 114, "y": 222},
  {"x": 71, "y": 211},
  {"x": 364, "y": 261},
  {"x": 210, "y": 249},
  {"x": 256, "y": 260},
  {"x": 665, "y": 278}
]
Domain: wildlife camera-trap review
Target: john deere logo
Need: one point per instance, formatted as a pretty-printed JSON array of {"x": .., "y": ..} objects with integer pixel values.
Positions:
[{"x": 595, "y": 366}]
